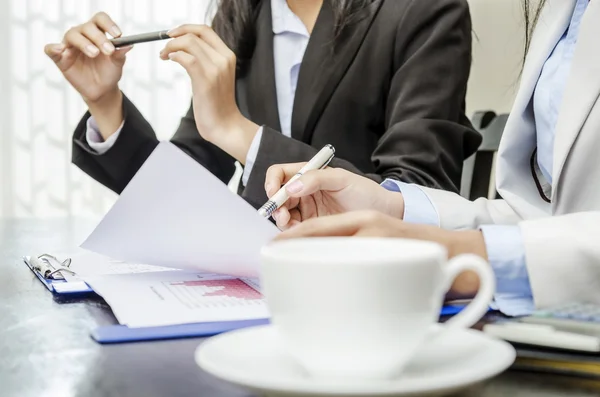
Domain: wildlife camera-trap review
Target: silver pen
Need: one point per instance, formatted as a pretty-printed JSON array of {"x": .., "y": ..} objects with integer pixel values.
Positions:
[
  {"x": 319, "y": 161},
  {"x": 140, "y": 38}
]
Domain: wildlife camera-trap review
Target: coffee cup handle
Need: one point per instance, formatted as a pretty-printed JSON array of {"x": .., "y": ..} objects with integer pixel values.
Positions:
[{"x": 479, "y": 306}]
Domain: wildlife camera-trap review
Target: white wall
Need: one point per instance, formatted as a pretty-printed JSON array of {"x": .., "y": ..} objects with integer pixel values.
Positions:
[{"x": 497, "y": 54}]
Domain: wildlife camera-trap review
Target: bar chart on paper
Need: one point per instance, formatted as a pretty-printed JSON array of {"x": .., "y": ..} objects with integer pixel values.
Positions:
[
  {"x": 198, "y": 294},
  {"x": 177, "y": 297}
]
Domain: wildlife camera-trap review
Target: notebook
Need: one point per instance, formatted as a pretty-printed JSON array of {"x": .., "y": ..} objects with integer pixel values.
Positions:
[{"x": 557, "y": 361}]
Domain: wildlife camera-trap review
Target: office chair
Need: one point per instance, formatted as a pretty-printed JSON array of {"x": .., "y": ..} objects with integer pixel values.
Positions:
[{"x": 478, "y": 170}]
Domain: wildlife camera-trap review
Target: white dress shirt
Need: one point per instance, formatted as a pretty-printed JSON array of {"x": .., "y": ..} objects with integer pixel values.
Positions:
[{"x": 290, "y": 38}]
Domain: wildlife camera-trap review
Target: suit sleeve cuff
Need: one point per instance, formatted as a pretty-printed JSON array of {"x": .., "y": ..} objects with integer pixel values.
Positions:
[
  {"x": 94, "y": 139},
  {"x": 417, "y": 206},
  {"x": 506, "y": 254},
  {"x": 251, "y": 156}
]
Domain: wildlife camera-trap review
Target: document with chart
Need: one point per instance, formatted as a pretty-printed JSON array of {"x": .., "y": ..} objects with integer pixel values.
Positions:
[
  {"x": 175, "y": 213},
  {"x": 179, "y": 297}
]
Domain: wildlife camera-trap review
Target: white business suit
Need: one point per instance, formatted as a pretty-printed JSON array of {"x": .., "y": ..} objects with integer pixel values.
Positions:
[{"x": 561, "y": 238}]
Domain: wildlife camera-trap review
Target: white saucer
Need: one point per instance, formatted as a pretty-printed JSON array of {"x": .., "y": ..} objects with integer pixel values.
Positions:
[{"x": 254, "y": 358}]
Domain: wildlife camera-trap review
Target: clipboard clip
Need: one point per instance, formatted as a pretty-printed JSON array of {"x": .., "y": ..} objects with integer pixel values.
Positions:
[{"x": 44, "y": 265}]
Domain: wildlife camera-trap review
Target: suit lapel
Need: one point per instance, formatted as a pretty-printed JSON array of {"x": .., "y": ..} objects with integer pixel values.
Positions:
[
  {"x": 322, "y": 68},
  {"x": 518, "y": 140},
  {"x": 582, "y": 90},
  {"x": 260, "y": 79}
]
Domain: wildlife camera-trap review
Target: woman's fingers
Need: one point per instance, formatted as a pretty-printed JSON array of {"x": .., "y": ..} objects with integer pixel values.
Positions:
[
  {"x": 205, "y": 33},
  {"x": 328, "y": 179},
  {"x": 106, "y": 24},
  {"x": 279, "y": 174},
  {"x": 54, "y": 51},
  {"x": 335, "y": 225},
  {"x": 289, "y": 205},
  {"x": 215, "y": 56},
  {"x": 97, "y": 37},
  {"x": 189, "y": 62},
  {"x": 282, "y": 217},
  {"x": 90, "y": 37},
  {"x": 295, "y": 219},
  {"x": 189, "y": 44},
  {"x": 208, "y": 60},
  {"x": 74, "y": 38},
  {"x": 287, "y": 218},
  {"x": 122, "y": 51}
]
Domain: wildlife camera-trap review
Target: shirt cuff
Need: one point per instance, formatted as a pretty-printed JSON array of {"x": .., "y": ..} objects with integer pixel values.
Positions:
[
  {"x": 95, "y": 140},
  {"x": 251, "y": 156},
  {"x": 417, "y": 206},
  {"x": 506, "y": 254}
]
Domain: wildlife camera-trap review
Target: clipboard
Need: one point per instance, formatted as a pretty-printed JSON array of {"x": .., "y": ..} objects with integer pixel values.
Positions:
[
  {"x": 112, "y": 334},
  {"x": 123, "y": 334},
  {"x": 49, "y": 270}
]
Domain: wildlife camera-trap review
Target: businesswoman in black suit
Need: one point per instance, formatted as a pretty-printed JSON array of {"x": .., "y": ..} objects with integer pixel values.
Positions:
[{"x": 383, "y": 81}]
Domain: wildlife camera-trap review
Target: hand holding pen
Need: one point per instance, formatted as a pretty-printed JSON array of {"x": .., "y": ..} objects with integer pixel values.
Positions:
[
  {"x": 314, "y": 192},
  {"x": 319, "y": 161},
  {"x": 93, "y": 65},
  {"x": 88, "y": 59}
]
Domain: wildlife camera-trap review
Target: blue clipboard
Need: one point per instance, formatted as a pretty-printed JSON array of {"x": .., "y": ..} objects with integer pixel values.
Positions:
[
  {"x": 59, "y": 287},
  {"x": 123, "y": 334}
]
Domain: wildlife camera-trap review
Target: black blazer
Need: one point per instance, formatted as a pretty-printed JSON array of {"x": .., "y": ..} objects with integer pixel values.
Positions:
[{"x": 390, "y": 97}]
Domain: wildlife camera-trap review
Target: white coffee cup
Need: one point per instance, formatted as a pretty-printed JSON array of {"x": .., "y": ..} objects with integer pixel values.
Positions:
[{"x": 360, "y": 308}]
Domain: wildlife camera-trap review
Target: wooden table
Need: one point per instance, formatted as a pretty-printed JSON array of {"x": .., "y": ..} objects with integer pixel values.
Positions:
[{"x": 46, "y": 350}]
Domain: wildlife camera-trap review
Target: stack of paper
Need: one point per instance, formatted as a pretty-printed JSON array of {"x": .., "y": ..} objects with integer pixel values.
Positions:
[
  {"x": 179, "y": 297},
  {"x": 174, "y": 213},
  {"x": 177, "y": 214},
  {"x": 87, "y": 264}
]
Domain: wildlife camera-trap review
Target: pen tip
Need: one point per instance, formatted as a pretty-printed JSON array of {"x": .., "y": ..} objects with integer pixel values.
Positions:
[{"x": 262, "y": 212}]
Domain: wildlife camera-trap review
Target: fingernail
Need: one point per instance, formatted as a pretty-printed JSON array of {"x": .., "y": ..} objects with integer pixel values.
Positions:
[
  {"x": 171, "y": 31},
  {"x": 58, "y": 48},
  {"x": 115, "y": 31},
  {"x": 108, "y": 48},
  {"x": 91, "y": 50},
  {"x": 275, "y": 215},
  {"x": 295, "y": 187}
]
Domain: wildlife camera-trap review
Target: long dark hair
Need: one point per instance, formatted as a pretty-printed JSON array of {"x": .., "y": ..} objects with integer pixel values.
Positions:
[
  {"x": 235, "y": 22},
  {"x": 532, "y": 14}
]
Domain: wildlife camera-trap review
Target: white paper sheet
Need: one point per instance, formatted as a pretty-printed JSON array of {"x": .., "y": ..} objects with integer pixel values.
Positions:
[
  {"x": 175, "y": 213},
  {"x": 178, "y": 297},
  {"x": 87, "y": 264}
]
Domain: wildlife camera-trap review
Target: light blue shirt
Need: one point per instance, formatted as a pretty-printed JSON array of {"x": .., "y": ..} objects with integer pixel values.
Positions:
[
  {"x": 504, "y": 243},
  {"x": 550, "y": 88},
  {"x": 290, "y": 39},
  {"x": 289, "y": 44}
]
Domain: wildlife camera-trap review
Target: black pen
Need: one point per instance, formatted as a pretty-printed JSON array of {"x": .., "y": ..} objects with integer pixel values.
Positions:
[{"x": 140, "y": 38}]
